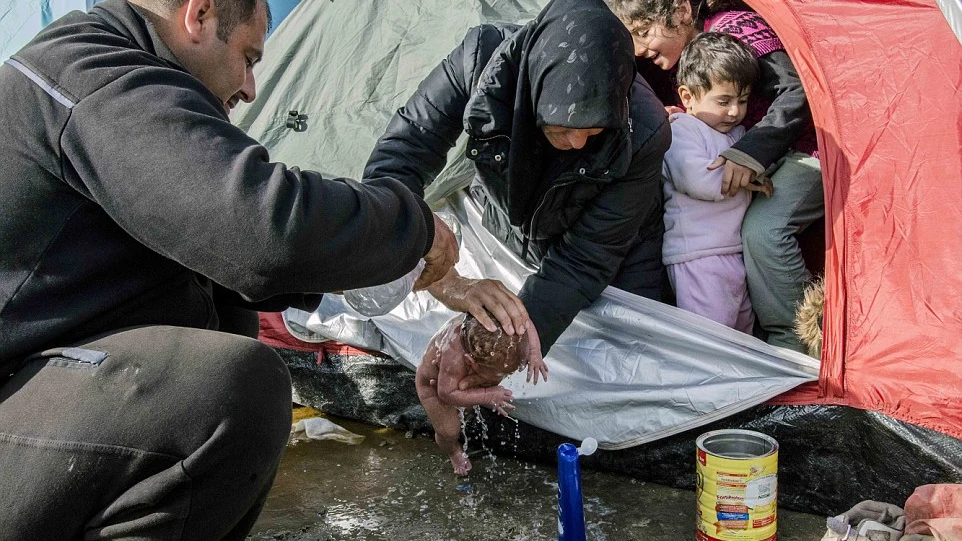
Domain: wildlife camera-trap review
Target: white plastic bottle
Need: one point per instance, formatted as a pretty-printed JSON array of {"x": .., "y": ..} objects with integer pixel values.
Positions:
[{"x": 381, "y": 299}]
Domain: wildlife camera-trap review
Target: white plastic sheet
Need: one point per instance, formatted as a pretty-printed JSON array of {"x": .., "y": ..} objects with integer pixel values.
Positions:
[{"x": 627, "y": 371}]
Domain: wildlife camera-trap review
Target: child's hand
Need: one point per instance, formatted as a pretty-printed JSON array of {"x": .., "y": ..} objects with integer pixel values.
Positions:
[
  {"x": 761, "y": 184},
  {"x": 536, "y": 364},
  {"x": 501, "y": 401}
]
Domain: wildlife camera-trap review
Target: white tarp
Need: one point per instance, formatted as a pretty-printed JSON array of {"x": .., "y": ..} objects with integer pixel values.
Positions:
[{"x": 627, "y": 371}]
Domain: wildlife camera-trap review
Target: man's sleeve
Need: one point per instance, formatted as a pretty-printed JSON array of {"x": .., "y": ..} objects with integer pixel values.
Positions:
[
  {"x": 156, "y": 153},
  {"x": 582, "y": 264}
]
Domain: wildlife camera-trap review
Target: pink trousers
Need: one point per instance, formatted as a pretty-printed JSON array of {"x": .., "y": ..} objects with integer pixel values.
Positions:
[{"x": 714, "y": 287}]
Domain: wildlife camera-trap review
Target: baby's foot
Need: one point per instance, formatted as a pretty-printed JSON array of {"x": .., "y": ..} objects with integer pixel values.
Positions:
[{"x": 461, "y": 463}]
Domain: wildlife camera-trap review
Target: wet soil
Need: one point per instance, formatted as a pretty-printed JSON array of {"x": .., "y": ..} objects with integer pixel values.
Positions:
[{"x": 398, "y": 487}]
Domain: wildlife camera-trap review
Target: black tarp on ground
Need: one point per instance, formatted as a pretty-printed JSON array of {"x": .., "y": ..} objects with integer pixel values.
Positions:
[{"x": 830, "y": 457}]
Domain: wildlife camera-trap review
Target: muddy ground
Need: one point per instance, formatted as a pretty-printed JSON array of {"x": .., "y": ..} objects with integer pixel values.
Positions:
[{"x": 394, "y": 487}]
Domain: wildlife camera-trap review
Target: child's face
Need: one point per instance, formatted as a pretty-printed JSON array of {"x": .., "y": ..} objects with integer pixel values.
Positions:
[
  {"x": 722, "y": 107},
  {"x": 661, "y": 44}
]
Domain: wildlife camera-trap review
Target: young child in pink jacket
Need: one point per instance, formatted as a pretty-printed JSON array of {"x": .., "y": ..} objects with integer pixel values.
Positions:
[{"x": 702, "y": 247}]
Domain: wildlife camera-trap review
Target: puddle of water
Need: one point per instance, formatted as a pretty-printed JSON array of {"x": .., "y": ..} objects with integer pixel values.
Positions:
[{"x": 394, "y": 488}]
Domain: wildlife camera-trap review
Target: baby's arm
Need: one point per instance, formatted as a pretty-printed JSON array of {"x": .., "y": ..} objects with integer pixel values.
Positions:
[
  {"x": 452, "y": 368},
  {"x": 497, "y": 397}
]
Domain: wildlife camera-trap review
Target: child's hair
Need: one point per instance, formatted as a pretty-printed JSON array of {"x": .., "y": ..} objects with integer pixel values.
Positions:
[
  {"x": 497, "y": 351},
  {"x": 714, "y": 57},
  {"x": 647, "y": 12}
]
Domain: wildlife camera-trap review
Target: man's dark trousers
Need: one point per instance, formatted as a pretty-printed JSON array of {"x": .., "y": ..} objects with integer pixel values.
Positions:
[{"x": 148, "y": 432}]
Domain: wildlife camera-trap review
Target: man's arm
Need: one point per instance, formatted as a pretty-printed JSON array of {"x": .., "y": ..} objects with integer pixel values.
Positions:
[{"x": 156, "y": 152}]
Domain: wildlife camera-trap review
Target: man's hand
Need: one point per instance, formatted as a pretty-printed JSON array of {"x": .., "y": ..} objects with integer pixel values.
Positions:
[
  {"x": 441, "y": 257},
  {"x": 482, "y": 299},
  {"x": 736, "y": 176}
]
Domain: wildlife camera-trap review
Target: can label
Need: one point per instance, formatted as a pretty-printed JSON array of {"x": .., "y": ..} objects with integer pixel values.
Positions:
[{"x": 737, "y": 486}]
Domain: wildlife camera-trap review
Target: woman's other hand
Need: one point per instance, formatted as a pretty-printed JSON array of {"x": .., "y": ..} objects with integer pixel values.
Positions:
[{"x": 483, "y": 299}]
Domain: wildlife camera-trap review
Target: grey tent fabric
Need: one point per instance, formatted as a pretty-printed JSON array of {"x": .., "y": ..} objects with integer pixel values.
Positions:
[{"x": 345, "y": 67}]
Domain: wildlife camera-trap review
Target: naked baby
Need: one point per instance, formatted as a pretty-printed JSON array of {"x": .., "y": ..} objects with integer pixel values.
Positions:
[{"x": 463, "y": 350}]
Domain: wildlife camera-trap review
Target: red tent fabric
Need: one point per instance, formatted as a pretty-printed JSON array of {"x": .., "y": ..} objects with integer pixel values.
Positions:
[{"x": 883, "y": 79}]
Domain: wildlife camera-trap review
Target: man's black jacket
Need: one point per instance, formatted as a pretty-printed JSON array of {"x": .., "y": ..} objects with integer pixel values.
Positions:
[{"x": 128, "y": 198}]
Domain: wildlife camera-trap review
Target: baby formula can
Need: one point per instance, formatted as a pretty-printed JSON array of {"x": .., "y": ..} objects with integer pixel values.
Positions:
[{"x": 736, "y": 486}]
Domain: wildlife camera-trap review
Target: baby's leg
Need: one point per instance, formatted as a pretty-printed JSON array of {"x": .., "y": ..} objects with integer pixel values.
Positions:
[{"x": 447, "y": 431}]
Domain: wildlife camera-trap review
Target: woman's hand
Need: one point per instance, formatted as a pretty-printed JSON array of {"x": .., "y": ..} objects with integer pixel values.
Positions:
[{"x": 482, "y": 299}]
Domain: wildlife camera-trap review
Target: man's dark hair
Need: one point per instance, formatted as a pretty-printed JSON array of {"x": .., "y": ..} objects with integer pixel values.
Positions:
[
  {"x": 230, "y": 13},
  {"x": 719, "y": 58}
]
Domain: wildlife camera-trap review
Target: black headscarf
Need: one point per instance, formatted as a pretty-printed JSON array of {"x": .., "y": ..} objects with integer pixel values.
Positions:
[
  {"x": 571, "y": 66},
  {"x": 580, "y": 66}
]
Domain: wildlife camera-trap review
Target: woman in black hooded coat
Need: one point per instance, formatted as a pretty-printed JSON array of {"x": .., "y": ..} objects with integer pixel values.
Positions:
[{"x": 567, "y": 143}]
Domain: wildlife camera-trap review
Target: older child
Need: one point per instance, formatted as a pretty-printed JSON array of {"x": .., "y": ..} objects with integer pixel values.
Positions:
[
  {"x": 780, "y": 142},
  {"x": 462, "y": 367},
  {"x": 703, "y": 247}
]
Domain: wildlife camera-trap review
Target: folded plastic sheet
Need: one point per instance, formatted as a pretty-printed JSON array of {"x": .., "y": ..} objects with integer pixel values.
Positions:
[{"x": 627, "y": 371}]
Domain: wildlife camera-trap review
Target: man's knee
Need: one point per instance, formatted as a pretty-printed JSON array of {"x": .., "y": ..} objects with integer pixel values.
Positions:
[
  {"x": 257, "y": 387},
  {"x": 232, "y": 384}
]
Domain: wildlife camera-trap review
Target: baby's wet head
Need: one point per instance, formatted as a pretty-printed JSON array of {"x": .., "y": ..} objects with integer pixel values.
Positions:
[{"x": 496, "y": 351}]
